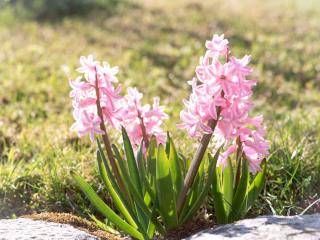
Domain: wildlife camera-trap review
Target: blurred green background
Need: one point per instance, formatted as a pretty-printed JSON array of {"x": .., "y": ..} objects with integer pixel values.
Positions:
[{"x": 157, "y": 45}]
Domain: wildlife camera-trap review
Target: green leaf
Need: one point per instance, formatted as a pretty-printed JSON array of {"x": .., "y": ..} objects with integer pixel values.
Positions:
[
  {"x": 197, "y": 186},
  {"x": 138, "y": 205},
  {"x": 183, "y": 162},
  {"x": 143, "y": 218},
  {"x": 104, "y": 159},
  {"x": 239, "y": 200},
  {"x": 123, "y": 170},
  {"x": 191, "y": 197},
  {"x": 137, "y": 215},
  {"x": 134, "y": 192},
  {"x": 132, "y": 165},
  {"x": 228, "y": 186},
  {"x": 168, "y": 143},
  {"x": 105, "y": 210},
  {"x": 104, "y": 226},
  {"x": 151, "y": 227},
  {"x": 152, "y": 162},
  {"x": 150, "y": 190},
  {"x": 152, "y": 156},
  {"x": 124, "y": 195},
  {"x": 257, "y": 185},
  {"x": 217, "y": 195},
  {"x": 142, "y": 205},
  {"x": 165, "y": 191},
  {"x": 140, "y": 218},
  {"x": 106, "y": 176},
  {"x": 141, "y": 166},
  {"x": 197, "y": 204},
  {"x": 175, "y": 168}
]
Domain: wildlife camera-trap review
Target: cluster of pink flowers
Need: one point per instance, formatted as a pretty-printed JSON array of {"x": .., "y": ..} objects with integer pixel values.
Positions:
[
  {"x": 221, "y": 93},
  {"x": 135, "y": 115},
  {"x": 97, "y": 85},
  {"x": 96, "y": 79}
]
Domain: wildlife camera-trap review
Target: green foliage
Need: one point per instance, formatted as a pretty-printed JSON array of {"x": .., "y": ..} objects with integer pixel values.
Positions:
[
  {"x": 150, "y": 191},
  {"x": 105, "y": 210},
  {"x": 231, "y": 199}
]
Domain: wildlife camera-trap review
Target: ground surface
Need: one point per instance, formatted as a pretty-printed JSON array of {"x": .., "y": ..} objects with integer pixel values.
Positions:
[
  {"x": 75, "y": 221},
  {"x": 266, "y": 227},
  {"x": 27, "y": 229},
  {"x": 157, "y": 47}
]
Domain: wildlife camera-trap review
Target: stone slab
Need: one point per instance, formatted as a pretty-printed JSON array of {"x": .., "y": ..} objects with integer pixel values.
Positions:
[
  {"x": 27, "y": 229},
  {"x": 305, "y": 227}
]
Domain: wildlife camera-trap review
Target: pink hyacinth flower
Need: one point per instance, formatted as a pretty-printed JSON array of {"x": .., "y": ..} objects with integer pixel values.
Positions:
[
  {"x": 218, "y": 46},
  {"x": 137, "y": 117},
  {"x": 96, "y": 79},
  {"x": 88, "y": 68},
  {"x": 221, "y": 84},
  {"x": 223, "y": 158},
  {"x": 87, "y": 123}
]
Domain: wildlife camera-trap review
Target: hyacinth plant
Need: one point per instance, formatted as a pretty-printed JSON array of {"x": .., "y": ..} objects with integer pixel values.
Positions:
[
  {"x": 155, "y": 188},
  {"x": 219, "y": 108},
  {"x": 144, "y": 178}
]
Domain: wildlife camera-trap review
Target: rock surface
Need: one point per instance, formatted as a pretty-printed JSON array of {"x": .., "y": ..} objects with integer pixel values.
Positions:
[
  {"x": 306, "y": 227},
  {"x": 27, "y": 229}
]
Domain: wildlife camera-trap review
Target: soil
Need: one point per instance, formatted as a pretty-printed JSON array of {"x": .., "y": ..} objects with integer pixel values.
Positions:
[
  {"x": 90, "y": 227},
  {"x": 77, "y": 222},
  {"x": 189, "y": 229}
]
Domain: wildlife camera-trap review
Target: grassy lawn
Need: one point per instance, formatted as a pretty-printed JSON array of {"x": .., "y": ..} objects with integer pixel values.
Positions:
[{"x": 157, "y": 47}]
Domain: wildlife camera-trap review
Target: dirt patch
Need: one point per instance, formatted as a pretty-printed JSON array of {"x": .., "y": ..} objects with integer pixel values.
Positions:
[
  {"x": 77, "y": 222},
  {"x": 90, "y": 227},
  {"x": 197, "y": 224}
]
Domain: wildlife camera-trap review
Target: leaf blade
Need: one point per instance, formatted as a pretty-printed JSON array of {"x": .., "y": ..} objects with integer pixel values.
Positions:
[
  {"x": 257, "y": 185},
  {"x": 132, "y": 164},
  {"x": 240, "y": 197},
  {"x": 166, "y": 195},
  {"x": 228, "y": 186},
  {"x": 105, "y": 210},
  {"x": 105, "y": 175},
  {"x": 217, "y": 195}
]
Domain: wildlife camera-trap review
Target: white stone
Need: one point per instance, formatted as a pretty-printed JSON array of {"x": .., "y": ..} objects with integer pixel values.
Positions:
[
  {"x": 27, "y": 229},
  {"x": 305, "y": 227}
]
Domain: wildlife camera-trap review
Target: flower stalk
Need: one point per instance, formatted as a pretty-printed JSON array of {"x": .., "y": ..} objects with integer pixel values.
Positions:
[
  {"x": 144, "y": 131},
  {"x": 238, "y": 162},
  {"x": 105, "y": 137},
  {"x": 196, "y": 161}
]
